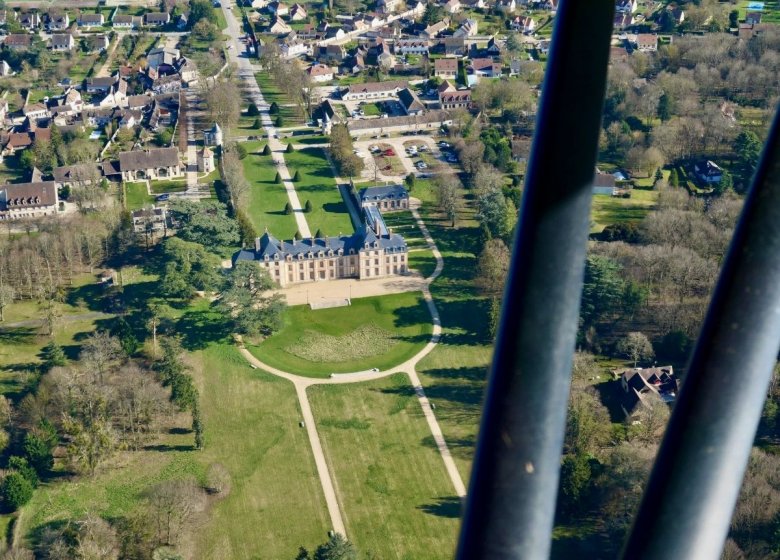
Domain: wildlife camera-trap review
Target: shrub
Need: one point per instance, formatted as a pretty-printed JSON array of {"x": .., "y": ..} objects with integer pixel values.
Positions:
[
  {"x": 267, "y": 150},
  {"x": 274, "y": 108},
  {"x": 241, "y": 151},
  {"x": 319, "y": 234},
  {"x": 20, "y": 465},
  {"x": 278, "y": 178},
  {"x": 278, "y": 122},
  {"x": 296, "y": 176},
  {"x": 252, "y": 110},
  {"x": 307, "y": 207},
  {"x": 257, "y": 124},
  {"x": 288, "y": 209},
  {"x": 15, "y": 490},
  {"x": 298, "y": 235}
]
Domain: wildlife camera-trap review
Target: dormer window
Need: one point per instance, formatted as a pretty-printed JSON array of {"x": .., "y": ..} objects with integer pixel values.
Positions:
[
  {"x": 276, "y": 256},
  {"x": 341, "y": 252},
  {"x": 351, "y": 251},
  {"x": 300, "y": 256},
  {"x": 265, "y": 258},
  {"x": 376, "y": 244},
  {"x": 310, "y": 255},
  {"x": 320, "y": 254}
]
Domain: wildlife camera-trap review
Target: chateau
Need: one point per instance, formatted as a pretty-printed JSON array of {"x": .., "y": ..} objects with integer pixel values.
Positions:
[{"x": 371, "y": 252}]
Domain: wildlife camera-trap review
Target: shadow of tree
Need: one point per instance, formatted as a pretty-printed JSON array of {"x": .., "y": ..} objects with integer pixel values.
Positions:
[
  {"x": 449, "y": 506},
  {"x": 200, "y": 328}
]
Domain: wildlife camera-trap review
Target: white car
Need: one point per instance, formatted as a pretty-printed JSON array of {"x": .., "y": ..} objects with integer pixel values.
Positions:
[
  {"x": 444, "y": 144},
  {"x": 421, "y": 165}
]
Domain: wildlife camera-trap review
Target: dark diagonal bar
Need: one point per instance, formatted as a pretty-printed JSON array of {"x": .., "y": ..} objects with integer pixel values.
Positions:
[
  {"x": 511, "y": 503},
  {"x": 687, "y": 506}
]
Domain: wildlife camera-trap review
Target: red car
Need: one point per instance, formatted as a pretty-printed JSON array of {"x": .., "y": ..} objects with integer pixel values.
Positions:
[{"x": 389, "y": 153}]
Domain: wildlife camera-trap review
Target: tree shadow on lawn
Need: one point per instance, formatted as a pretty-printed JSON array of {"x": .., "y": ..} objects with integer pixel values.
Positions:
[
  {"x": 335, "y": 207},
  {"x": 464, "y": 322},
  {"x": 449, "y": 506},
  {"x": 611, "y": 396},
  {"x": 200, "y": 328},
  {"x": 165, "y": 447},
  {"x": 463, "y": 386},
  {"x": 17, "y": 335},
  {"x": 462, "y": 448}
]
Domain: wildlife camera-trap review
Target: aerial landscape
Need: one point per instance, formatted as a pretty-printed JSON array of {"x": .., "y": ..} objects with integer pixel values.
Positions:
[{"x": 252, "y": 258}]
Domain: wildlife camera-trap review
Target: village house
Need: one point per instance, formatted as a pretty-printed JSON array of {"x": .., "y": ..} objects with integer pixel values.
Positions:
[
  {"x": 62, "y": 42},
  {"x": 124, "y": 21},
  {"x": 30, "y": 21},
  {"x": 213, "y": 136},
  {"x": 159, "y": 163},
  {"x": 446, "y": 68},
  {"x": 28, "y": 200},
  {"x": 435, "y": 29},
  {"x": 604, "y": 183},
  {"x": 409, "y": 102},
  {"x": 320, "y": 73},
  {"x": 387, "y": 198},
  {"x": 95, "y": 43},
  {"x": 467, "y": 29},
  {"x": 291, "y": 46},
  {"x": 708, "y": 171},
  {"x": 753, "y": 18},
  {"x": 411, "y": 46},
  {"x": 372, "y": 252},
  {"x": 524, "y": 24},
  {"x": 298, "y": 13},
  {"x": 58, "y": 21},
  {"x": 35, "y": 111},
  {"x": 453, "y": 6},
  {"x": 162, "y": 56},
  {"x": 646, "y": 42},
  {"x": 454, "y": 46},
  {"x": 101, "y": 84},
  {"x": 279, "y": 27},
  {"x": 278, "y": 9},
  {"x": 373, "y": 90},
  {"x": 427, "y": 121},
  {"x": 157, "y": 19},
  {"x": 387, "y": 6},
  {"x": 206, "y": 160},
  {"x": 116, "y": 96},
  {"x": 89, "y": 20},
  {"x": 484, "y": 68},
  {"x": 641, "y": 384},
  {"x": 506, "y": 6},
  {"x": 623, "y": 20},
  {"x": 18, "y": 41},
  {"x": 452, "y": 98},
  {"x": 5, "y": 69}
]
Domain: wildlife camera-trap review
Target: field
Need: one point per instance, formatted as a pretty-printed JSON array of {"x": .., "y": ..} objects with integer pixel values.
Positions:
[
  {"x": 167, "y": 186},
  {"x": 338, "y": 337},
  {"x": 136, "y": 196},
  {"x": 317, "y": 184},
  {"x": 770, "y": 13},
  {"x": 267, "y": 199},
  {"x": 396, "y": 498},
  {"x": 608, "y": 209}
]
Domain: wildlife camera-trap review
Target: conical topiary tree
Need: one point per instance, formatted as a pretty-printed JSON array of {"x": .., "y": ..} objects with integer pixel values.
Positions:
[
  {"x": 267, "y": 150},
  {"x": 257, "y": 125},
  {"x": 274, "y": 108},
  {"x": 278, "y": 123},
  {"x": 288, "y": 209},
  {"x": 319, "y": 234},
  {"x": 297, "y": 176},
  {"x": 278, "y": 178},
  {"x": 252, "y": 110},
  {"x": 298, "y": 235},
  {"x": 290, "y": 148},
  {"x": 307, "y": 207}
]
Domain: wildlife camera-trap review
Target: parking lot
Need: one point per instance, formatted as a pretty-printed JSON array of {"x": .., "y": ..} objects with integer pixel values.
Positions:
[{"x": 432, "y": 155}]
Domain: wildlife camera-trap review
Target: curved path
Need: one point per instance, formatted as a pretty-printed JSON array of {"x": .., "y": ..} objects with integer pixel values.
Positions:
[{"x": 408, "y": 367}]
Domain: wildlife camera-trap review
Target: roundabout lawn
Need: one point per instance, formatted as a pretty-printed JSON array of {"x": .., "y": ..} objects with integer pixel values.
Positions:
[{"x": 376, "y": 332}]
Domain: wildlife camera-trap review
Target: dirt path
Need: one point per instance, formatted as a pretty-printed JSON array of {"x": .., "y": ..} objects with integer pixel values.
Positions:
[
  {"x": 65, "y": 319},
  {"x": 408, "y": 367}
]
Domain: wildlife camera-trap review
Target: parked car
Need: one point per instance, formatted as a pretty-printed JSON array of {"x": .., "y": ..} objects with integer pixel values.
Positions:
[
  {"x": 421, "y": 165},
  {"x": 162, "y": 197},
  {"x": 444, "y": 144}
]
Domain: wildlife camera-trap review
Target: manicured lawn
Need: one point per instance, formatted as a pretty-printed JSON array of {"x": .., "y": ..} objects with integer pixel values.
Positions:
[
  {"x": 166, "y": 186},
  {"x": 396, "y": 498},
  {"x": 307, "y": 139},
  {"x": 275, "y": 504},
  {"x": 608, "y": 209},
  {"x": 267, "y": 199},
  {"x": 272, "y": 94},
  {"x": 329, "y": 213},
  {"x": 373, "y": 332},
  {"x": 136, "y": 196},
  {"x": 423, "y": 261},
  {"x": 770, "y": 14},
  {"x": 454, "y": 373},
  {"x": 372, "y": 109}
]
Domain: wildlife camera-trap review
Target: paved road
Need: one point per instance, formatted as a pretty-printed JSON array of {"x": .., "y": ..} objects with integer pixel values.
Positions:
[
  {"x": 408, "y": 367},
  {"x": 247, "y": 73}
]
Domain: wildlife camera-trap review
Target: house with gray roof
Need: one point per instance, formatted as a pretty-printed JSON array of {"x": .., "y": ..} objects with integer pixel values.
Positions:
[
  {"x": 641, "y": 384},
  {"x": 387, "y": 198},
  {"x": 410, "y": 103},
  {"x": 371, "y": 252},
  {"x": 159, "y": 163}
]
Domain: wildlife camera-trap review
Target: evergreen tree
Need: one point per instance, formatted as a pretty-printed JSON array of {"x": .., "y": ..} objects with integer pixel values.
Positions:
[
  {"x": 267, "y": 150},
  {"x": 258, "y": 124},
  {"x": 278, "y": 179},
  {"x": 288, "y": 209},
  {"x": 252, "y": 110},
  {"x": 296, "y": 176},
  {"x": 307, "y": 207},
  {"x": 53, "y": 356},
  {"x": 319, "y": 234},
  {"x": 298, "y": 235},
  {"x": 278, "y": 122},
  {"x": 274, "y": 108},
  {"x": 289, "y": 148},
  {"x": 409, "y": 182},
  {"x": 674, "y": 178},
  {"x": 658, "y": 176},
  {"x": 494, "y": 317},
  {"x": 197, "y": 426},
  {"x": 15, "y": 491}
]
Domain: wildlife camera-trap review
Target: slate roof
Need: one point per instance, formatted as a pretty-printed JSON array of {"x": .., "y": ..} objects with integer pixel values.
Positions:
[
  {"x": 373, "y": 87},
  {"x": 410, "y": 101},
  {"x": 271, "y": 247},
  {"x": 148, "y": 159},
  {"x": 387, "y": 192}
]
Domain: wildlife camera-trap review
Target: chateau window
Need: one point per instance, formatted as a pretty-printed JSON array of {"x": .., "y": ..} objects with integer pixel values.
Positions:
[
  {"x": 276, "y": 257},
  {"x": 300, "y": 256},
  {"x": 265, "y": 258},
  {"x": 351, "y": 251}
]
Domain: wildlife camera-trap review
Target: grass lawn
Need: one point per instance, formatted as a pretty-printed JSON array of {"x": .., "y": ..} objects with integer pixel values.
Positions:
[
  {"x": 167, "y": 186},
  {"x": 11, "y": 170},
  {"x": 608, "y": 209},
  {"x": 770, "y": 13},
  {"x": 275, "y": 504},
  {"x": 266, "y": 198},
  {"x": 388, "y": 165},
  {"x": 305, "y": 139},
  {"x": 136, "y": 196},
  {"x": 372, "y": 109},
  {"x": 272, "y": 94},
  {"x": 329, "y": 213},
  {"x": 376, "y": 443},
  {"x": 373, "y": 332}
]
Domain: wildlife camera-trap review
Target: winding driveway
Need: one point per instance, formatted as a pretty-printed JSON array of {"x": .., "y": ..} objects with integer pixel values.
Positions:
[{"x": 408, "y": 367}]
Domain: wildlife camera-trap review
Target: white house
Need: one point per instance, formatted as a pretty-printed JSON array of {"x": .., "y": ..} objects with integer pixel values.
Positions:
[{"x": 320, "y": 73}]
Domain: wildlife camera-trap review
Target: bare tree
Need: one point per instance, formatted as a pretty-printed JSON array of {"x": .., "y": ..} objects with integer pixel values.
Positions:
[
  {"x": 172, "y": 506},
  {"x": 635, "y": 346},
  {"x": 492, "y": 267}
]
